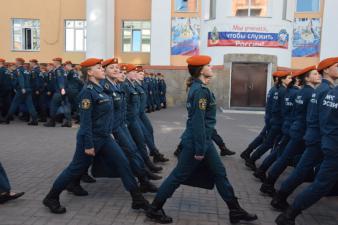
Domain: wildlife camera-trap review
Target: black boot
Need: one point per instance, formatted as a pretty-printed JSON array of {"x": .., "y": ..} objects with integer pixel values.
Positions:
[
  {"x": 76, "y": 189},
  {"x": 50, "y": 123},
  {"x": 251, "y": 164},
  {"x": 157, "y": 214},
  {"x": 279, "y": 201},
  {"x": 147, "y": 186},
  {"x": 237, "y": 214},
  {"x": 152, "y": 167},
  {"x": 158, "y": 157},
  {"x": 225, "y": 151},
  {"x": 152, "y": 176},
  {"x": 33, "y": 123},
  {"x": 268, "y": 187},
  {"x": 260, "y": 174},
  {"x": 246, "y": 154},
  {"x": 67, "y": 124},
  {"x": 53, "y": 203},
  {"x": 288, "y": 217},
  {"x": 139, "y": 202},
  {"x": 86, "y": 178}
]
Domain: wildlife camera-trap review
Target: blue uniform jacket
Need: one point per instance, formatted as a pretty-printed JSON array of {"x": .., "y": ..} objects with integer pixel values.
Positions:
[
  {"x": 23, "y": 79},
  {"x": 288, "y": 110},
  {"x": 268, "y": 106},
  {"x": 60, "y": 79},
  {"x": 277, "y": 103},
  {"x": 132, "y": 100}
]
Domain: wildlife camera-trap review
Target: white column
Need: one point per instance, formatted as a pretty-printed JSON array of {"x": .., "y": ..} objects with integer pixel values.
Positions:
[
  {"x": 160, "y": 32},
  {"x": 100, "y": 28},
  {"x": 329, "y": 43}
]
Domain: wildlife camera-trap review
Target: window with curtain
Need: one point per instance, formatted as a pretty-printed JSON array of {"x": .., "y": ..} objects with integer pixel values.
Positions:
[
  {"x": 76, "y": 35},
  {"x": 136, "y": 36},
  {"x": 26, "y": 34},
  {"x": 254, "y": 8},
  {"x": 308, "y": 5}
]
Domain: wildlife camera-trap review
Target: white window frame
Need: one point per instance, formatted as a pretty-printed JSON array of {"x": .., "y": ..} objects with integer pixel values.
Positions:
[
  {"x": 319, "y": 8},
  {"x": 269, "y": 8},
  {"x": 22, "y": 27},
  {"x": 131, "y": 29},
  {"x": 177, "y": 11},
  {"x": 75, "y": 29}
]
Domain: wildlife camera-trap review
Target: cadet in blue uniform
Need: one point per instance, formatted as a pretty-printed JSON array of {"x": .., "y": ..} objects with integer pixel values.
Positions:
[
  {"x": 145, "y": 123},
  {"x": 198, "y": 147},
  {"x": 23, "y": 93},
  {"x": 74, "y": 86},
  {"x": 111, "y": 84},
  {"x": 312, "y": 155},
  {"x": 50, "y": 84},
  {"x": 163, "y": 91},
  {"x": 288, "y": 112},
  {"x": 260, "y": 138},
  {"x": 94, "y": 139},
  {"x": 5, "y": 89},
  {"x": 309, "y": 79},
  {"x": 5, "y": 188},
  {"x": 134, "y": 124},
  {"x": 276, "y": 119},
  {"x": 328, "y": 172},
  {"x": 59, "y": 96}
]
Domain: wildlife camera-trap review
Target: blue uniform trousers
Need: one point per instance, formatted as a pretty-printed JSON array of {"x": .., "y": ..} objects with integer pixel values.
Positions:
[
  {"x": 311, "y": 157},
  {"x": 136, "y": 132},
  {"x": 267, "y": 144},
  {"x": 148, "y": 138},
  {"x": 4, "y": 182},
  {"x": 186, "y": 166},
  {"x": 110, "y": 151},
  {"x": 23, "y": 98},
  {"x": 129, "y": 147},
  {"x": 323, "y": 183},
  {"x": 295, "y": 146}
]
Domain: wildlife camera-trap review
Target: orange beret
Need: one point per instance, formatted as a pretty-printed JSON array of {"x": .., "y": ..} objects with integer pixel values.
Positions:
[
  {"x": 326, "y": 63},
  {"x": 90, "y": 62},
  {"x": 303, "y": 71},
  {"x": 130, "y": 67},
  {"x": 2, "y": 60},
  {"x": 281, "y": 73},
  {"x": 58, "y": 59},
  {"x": 68, "y": 62},
  {"x": 33, "y": 60},
  {"x": 199, "y": 60},
  {"x": 139, "y": 69},
  {"x": 110, "y": 61},
  {"x": 20, "y": 60}
]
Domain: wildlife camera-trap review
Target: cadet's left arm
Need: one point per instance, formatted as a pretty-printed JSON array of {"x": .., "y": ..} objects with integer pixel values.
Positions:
[{"x": 60, "y": 78}]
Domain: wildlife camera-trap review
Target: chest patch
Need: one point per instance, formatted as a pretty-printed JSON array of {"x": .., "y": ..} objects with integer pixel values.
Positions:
[{"x": 85, "y": 104}]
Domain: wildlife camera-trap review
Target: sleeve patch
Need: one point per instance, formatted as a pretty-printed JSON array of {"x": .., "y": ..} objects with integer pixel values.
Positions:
[
  {"x": 202, "y": 104},
  {"x": 86, "y": 103}
]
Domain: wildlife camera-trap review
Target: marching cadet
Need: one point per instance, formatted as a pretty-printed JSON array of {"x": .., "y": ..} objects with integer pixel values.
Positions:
[
  {"x": 312, "y": 155},
  {"x": 288, "y": 114},
  {"x": 23, "y": 93},
  {"x": 74, "y": 86},
  {"x": 163, "y": 91},
  {"x": 5, "y": 88},
  {"x": 38, "y": 88},
  {"x": 5, "y": 188},
  {"x": 198, "y": 147},
  {"x": 145, "y": 123},
  {"x": 261, "y": 136},
  {"x": 59, "y": 96},
  {"x": 50, "y": 84},
  {"x": 309, "y": 79},
  {"x": 157, "y": 92},
  {"x": 111, "y": 85},
  {"x": 327, "y": 175},
  {"x": 134, "y": 124},
  {"x": 276, "y": 119},
  {"x": 94, "y": 140},
  {"x": 146, "y": 88}
]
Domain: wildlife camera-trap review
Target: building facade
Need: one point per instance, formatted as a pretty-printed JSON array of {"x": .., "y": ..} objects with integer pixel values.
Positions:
[{"x": 247, "y": 39}]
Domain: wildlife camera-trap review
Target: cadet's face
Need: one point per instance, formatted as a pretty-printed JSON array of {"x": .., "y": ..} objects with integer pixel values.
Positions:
[
  {"x": 140, "y": 75},
  {"x": 132, "y": 75},
  {"x": 314, "y": 77},
  {"x": 287, "y": 80},
  {"x": 68, "y": 67},
  {"x": 207, "y": 74},
  {"x": 333, "y": 71},
  {"x": 113, "y": 71},
  {"x": 97, "y": 72}
]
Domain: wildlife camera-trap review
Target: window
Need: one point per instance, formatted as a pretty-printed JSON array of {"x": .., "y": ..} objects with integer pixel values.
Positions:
[
  {"x": 250, "y": 8},
  {"x": 186, "y": 5},
  {"x": 26, "y": 35},
  {"x": 76, "y": 35},
  {"x": 308, "y": 5},
  {"x": 136, "y": 36}
]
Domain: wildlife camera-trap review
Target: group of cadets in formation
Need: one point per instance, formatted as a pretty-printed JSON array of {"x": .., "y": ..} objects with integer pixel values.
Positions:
[
  {"x": 301, "y": 130},
  {"x": 38, "y": 91}
]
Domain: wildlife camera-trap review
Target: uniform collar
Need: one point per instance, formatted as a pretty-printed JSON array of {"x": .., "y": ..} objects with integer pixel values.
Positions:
[
  {"x": 327, "y": 82},
  {"x": 97, "y": 87}
]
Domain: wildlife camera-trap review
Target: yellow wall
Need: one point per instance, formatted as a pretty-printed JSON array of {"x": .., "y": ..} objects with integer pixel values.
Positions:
[
  {"x": 179, "y": 60},
  {"x": 130, "y": 10},
  {"x": 52, "y": 41},
  {"x": 301, "y": 62}
]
